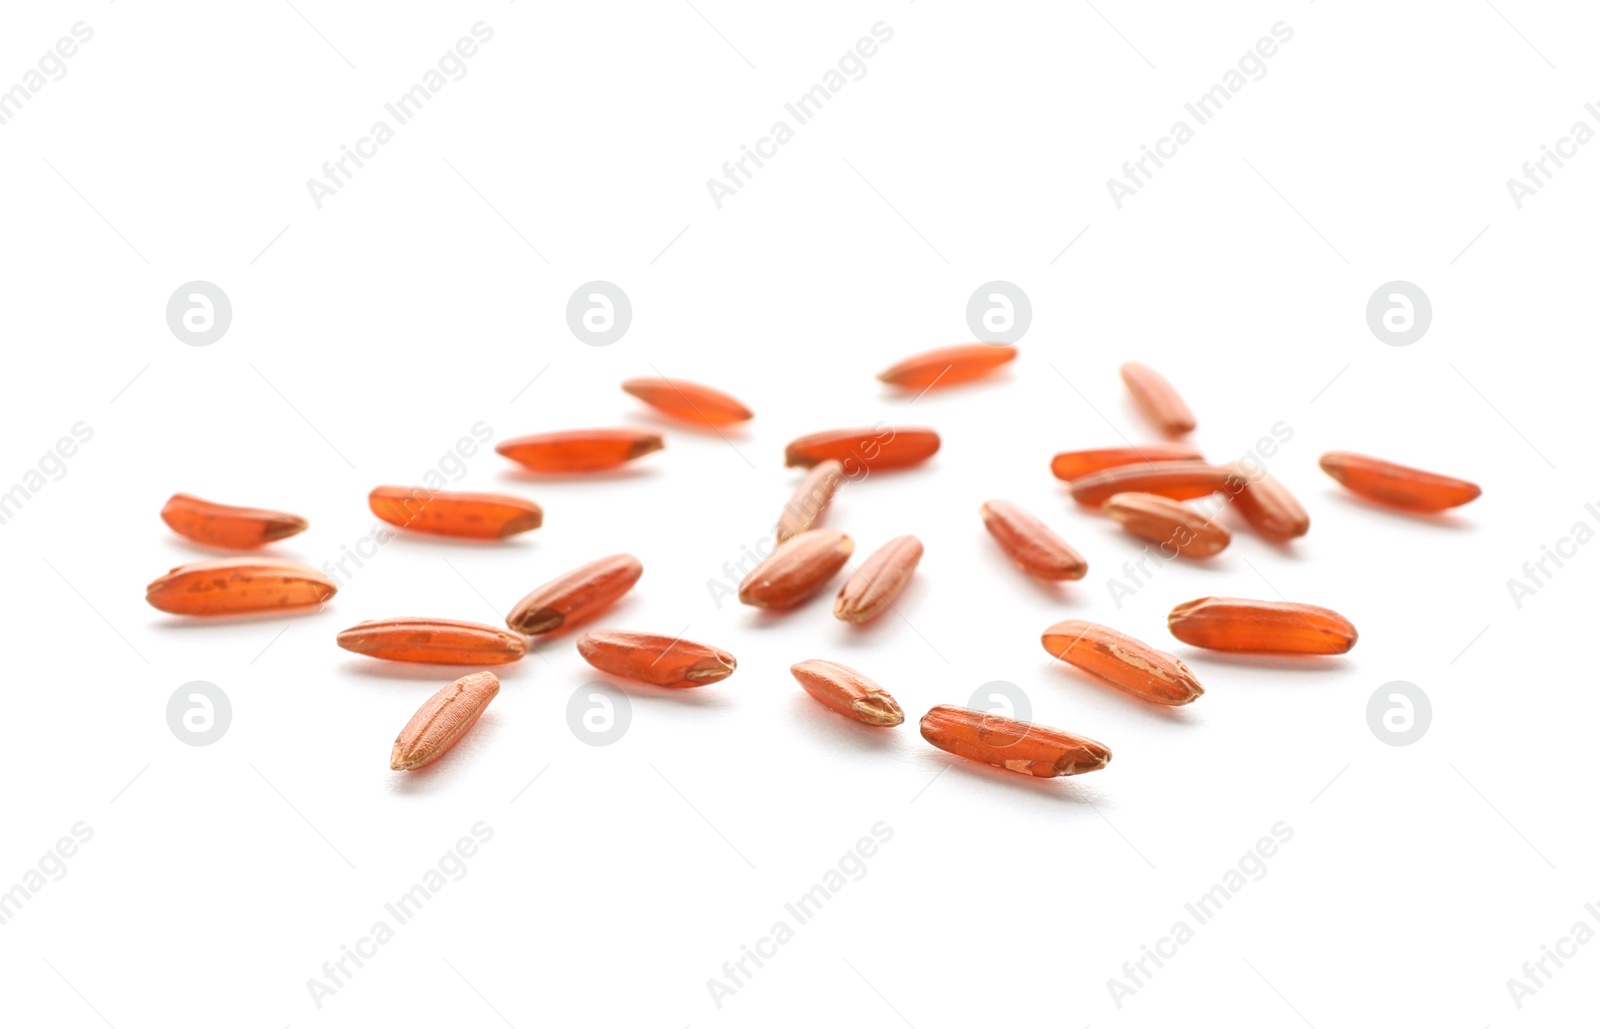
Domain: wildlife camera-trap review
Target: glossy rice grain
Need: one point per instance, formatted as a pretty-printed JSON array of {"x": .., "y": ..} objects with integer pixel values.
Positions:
[
  {"x": 797, "y": 569},
  {"x": 811, "y": 498},
  {"x": 1158, "y": 400},
  {"x": 1409, "y": 489},
  {"x": 1075, "y": 464},
  {"x": 439, "y": 641},
  {"x": 1261, "y": 626},
  {"x": 442, "y": 720},
  {"x": 239, "y": 585},
  {"x": 222, "y": 525},
  {"x": 658, "y": 660},
  {"x": 579, "y": 450},
  {"x": 477, "y": 516},
  {"x": 1031, "y": 544},
  {"x": 1122, "y": 661},
  {"x": 1020, "y": 747},
  {"x": 576, "y": 596},
  {"x": 1266, "y": 505},
  {"x": 948, "y": 366},
  {"x": 858, "y": 450},
  {"x": 848, "y": 692},
  {"x": 689, "y": 401},
  {"x": 878, "y": 580},
  {"x": 1177, "y": 528},
  {"x": 1179, "y": 480}
]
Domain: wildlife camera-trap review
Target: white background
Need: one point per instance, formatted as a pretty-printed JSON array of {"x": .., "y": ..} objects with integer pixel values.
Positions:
[{"x": 424, "y": 297}]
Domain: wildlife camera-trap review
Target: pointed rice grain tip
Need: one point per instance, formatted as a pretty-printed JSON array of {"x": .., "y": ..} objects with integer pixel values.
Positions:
[
  {"x": 293, "y": 525},
  {"x": 878, "y": 710},
  {"x": 712, "y": 669},
  {"x": 541, "y": 621},
  {"x": 647, "y": 445},
  {"x": 1091, "y": 762},
  {"x": 523, "y": 523}
]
